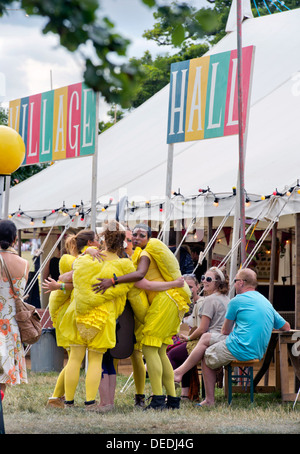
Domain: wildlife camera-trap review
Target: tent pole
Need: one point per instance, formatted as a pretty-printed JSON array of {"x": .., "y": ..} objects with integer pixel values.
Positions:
[
  {"x": 241, "y": 186},
  {"x": 168, "y": 193},
  {"x": 1, "y": 194},
  {"x": 6, "y": 200},
  {"x": 95, "y": 170}
]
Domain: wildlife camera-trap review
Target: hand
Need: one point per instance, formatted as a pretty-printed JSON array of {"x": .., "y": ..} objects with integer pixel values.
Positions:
[
  {"x": 50, "y": 285},
  {"x": 179, "y": 282},
  {"x": 183, "y": 337},
  {"x": 103, "y": 285},
  {"x": 95, "y": 253}
]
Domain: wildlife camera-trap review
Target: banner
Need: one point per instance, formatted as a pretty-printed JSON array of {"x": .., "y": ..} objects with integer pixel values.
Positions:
[
  {"x": 57, "y": 124},
  {"x": 203, "y": 100}
]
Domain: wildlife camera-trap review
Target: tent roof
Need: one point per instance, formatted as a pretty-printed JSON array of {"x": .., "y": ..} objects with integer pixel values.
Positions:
[{"x": 132, "y": 155}]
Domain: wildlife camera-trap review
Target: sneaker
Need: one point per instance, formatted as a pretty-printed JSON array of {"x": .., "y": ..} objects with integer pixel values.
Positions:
[{"x": 55, "y": 402}]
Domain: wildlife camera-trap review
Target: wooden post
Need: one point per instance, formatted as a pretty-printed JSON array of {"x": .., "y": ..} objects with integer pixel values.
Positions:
[
  {"x": 291, "y": 257},
  {"x": 272, "y": 274},
  {"x": 273, "y": 262}
]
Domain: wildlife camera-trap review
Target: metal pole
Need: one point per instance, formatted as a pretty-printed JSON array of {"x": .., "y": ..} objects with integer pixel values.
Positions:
[
  {"x": 168, "y": 193},
  {"x": 95, "y": 170},
  {"x": 1, "y": 194},
  {"x": 6, "y": 201},
  {"x": 241, "y": 185}
]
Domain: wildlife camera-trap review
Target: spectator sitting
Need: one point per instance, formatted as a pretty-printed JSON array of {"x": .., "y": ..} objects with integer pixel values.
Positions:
[
  {"x": 209, "y": 316},
  {"x": 252, "y": 318}
]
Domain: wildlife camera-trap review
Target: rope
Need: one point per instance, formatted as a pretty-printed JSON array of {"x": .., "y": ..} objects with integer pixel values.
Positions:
[
  {"x": 212, "y": 240},
  {"x": 275, "y": 219},
  {"x": 28, "y": 347},
  {"x": 127, "y": 384},
  {"x": 34, "y": 279}
]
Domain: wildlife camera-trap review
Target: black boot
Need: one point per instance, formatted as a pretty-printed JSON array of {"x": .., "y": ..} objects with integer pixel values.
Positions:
[
  {"x": 157, "y": 403},
  {"x": 139, "y": 400},
  {"x": 173, "y": 402}
]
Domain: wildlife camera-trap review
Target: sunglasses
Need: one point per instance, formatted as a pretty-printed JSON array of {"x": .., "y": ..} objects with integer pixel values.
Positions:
[
  {"x": 207, "y": 279},
  {"x": 236, "y": 280}
]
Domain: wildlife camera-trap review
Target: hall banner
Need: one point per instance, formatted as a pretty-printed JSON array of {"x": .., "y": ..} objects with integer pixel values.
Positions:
[
  {"x": 58, "y": 124},
  {"x": 203, "y": 99}
]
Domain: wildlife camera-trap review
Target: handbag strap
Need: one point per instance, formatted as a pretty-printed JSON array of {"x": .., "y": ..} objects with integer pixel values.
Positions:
[{"x": 8, "y": 274}]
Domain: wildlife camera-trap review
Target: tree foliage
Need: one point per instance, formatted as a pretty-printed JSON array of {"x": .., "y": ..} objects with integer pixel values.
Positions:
[{"x": 80, "y": 27}]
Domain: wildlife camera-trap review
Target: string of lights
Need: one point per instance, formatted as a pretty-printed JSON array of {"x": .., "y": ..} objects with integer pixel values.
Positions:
[{"x": 81, "y": 212}]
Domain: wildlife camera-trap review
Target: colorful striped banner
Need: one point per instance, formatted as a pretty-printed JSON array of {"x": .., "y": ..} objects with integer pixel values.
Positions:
[
  {"x": 57, "y": 124},
  {"x": 203, "y": 100}
]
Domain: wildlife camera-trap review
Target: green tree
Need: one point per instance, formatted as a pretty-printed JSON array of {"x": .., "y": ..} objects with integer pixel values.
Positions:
[
  {"x": 114, "y": 116},
  {"x": 77, "y": 23},
  {"x": 156, "y": 72}
]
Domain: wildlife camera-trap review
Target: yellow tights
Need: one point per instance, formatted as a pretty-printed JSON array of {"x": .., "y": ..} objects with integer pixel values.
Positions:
[
  {"x": 93, "y": 375},
  {"x": 139, "y": 371},
  {"x": 159, "y": 369}
]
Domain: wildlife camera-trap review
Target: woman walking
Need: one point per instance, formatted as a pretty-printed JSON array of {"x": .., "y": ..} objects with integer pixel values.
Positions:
[{"x": 12, "y": 356}]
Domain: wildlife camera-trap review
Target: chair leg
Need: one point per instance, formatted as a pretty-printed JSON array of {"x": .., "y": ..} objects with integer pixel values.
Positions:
[
  {"x": 229, "y": 371},
  {"x": 251, "y": 384}
]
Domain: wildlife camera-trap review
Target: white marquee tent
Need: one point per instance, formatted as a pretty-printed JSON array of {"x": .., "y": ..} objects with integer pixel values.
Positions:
[{"x": 132, "y": 155}]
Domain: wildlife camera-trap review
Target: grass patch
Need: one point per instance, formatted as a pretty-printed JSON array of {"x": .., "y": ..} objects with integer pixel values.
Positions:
[{"x": 25, "y": 412}]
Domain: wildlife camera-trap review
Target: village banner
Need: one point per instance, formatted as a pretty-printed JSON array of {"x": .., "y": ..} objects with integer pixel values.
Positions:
[
  {"x": 203, "y": 100},
  {"x": 57, "y": 124}
]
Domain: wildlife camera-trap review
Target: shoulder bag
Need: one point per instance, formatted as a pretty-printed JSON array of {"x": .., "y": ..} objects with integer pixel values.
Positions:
[{"x": 27, "y": 317}]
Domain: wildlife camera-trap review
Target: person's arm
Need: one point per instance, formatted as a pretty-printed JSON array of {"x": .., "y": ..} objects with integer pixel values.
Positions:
[
  {"x": 135, "y": 276},
  {"x": 66, "y": 277},
  {"x": 50, "y": 285},
  {"x": 196, "y": 333},
  {"x": 285, "y": 327},
  {"x": 157, "y": 286},
  {"x": 227, "y": 326}
]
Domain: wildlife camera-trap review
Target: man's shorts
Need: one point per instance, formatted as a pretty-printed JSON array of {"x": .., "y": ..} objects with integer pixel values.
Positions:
[{"x": 217, "y": 354}]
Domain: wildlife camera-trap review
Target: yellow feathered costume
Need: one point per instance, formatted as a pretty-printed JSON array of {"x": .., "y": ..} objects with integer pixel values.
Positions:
[
  {"x": 166, "y": 308},
  {"x": 59, "y": 301},
  {"x": 91, "y": 317}
]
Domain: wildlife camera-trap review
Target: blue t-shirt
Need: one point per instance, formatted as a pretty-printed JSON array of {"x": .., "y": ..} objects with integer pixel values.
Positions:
[{"x": 254, "y": 318}]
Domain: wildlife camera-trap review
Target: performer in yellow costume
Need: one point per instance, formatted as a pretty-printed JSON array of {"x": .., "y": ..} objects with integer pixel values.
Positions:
[
  {"x": 155, "y": 262},
  {"x": 90, "y": 321},
  {"x": 61, "y": 296}
]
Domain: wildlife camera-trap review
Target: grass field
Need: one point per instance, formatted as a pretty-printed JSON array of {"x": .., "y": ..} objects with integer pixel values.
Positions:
[{"x": 25, "y": 413}]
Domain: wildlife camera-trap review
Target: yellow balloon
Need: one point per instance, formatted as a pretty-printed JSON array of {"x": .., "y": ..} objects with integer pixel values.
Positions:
[{"x": 12, "y": 150}]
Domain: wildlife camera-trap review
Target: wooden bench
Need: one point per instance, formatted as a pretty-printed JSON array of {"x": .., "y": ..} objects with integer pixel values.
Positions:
[{"x": 244, "y": 376}]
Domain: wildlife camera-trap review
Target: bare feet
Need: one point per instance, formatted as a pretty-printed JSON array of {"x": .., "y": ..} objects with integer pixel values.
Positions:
[
  {"x": 177, "y": 376},
  {"x": 204, "y": 403}
]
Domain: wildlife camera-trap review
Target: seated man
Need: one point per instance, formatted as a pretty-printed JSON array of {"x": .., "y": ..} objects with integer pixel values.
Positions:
[{"x": 252, "y": 318}]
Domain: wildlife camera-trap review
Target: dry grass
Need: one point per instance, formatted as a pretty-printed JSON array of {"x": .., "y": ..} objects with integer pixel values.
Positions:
[{"x": 25, "y": 413}]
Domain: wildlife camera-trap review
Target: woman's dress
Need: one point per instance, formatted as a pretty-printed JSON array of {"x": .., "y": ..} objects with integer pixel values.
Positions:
[{"x": 12, "y": 356}]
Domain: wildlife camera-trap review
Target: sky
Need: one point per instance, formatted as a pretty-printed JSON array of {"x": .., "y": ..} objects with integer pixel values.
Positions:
[{"x": 32, "y": 63}]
